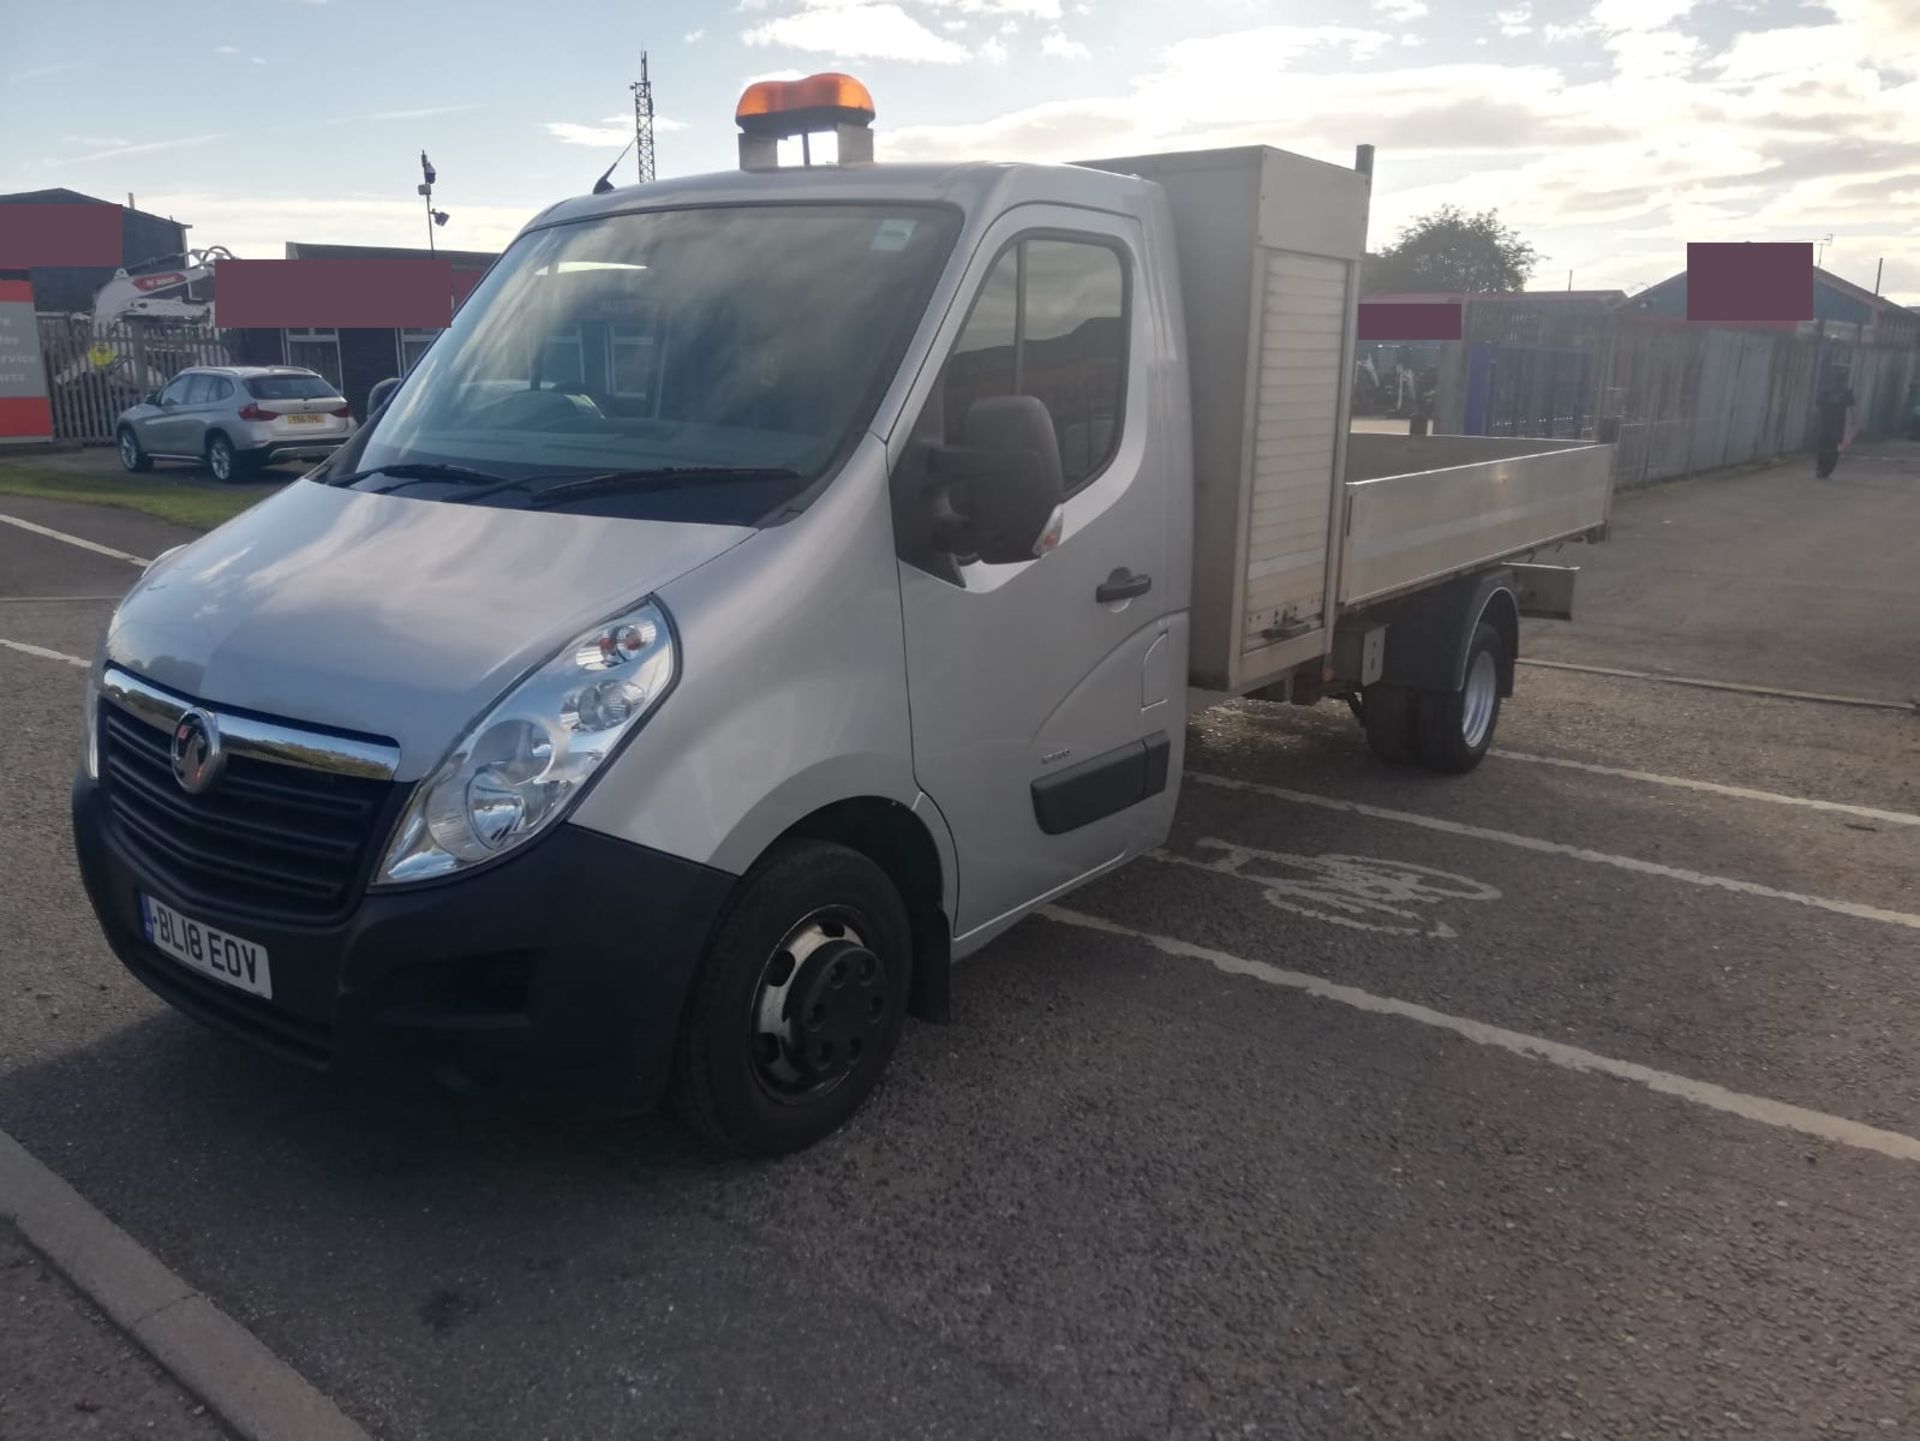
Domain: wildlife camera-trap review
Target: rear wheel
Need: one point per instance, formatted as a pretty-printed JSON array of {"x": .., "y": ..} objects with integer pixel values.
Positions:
[
  {"x": 132, "y": 457},
  {"x": 798, "y": 1004},
  {"x": 1454, "y": 729},
  {"x": 224, "y": 463}
]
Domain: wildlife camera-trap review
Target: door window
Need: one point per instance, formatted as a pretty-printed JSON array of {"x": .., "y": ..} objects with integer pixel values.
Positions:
[
  {"x": 199, "y": 389},
  {"x": 1050, "y": 322},
  {"x": 222, "y": 389},
  {"x": 176, "y": 391}
]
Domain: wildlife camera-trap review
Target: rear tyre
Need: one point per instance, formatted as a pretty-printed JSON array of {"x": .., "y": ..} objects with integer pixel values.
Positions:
[
  {"x": 1387, "y": 713},
  {"x": 224, "y": 463},
  {"x": 798, "y": 1004},
  {"x": 1454, "y": 729},
  {"x": 132, "y": 457}
]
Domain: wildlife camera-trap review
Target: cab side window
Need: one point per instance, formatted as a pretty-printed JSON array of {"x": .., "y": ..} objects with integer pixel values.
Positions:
[
  {"x": 1050, "y": 322},
  {"x": 221, "y": 389}
]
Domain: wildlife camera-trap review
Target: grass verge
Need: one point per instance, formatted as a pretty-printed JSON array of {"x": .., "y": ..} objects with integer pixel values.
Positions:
[{"x": 201, "y": 504}]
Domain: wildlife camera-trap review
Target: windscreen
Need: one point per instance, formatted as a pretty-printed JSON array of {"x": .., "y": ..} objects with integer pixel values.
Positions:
[
  {"x": 291, "y": 387},
  {"x": 710, "y": 363}
]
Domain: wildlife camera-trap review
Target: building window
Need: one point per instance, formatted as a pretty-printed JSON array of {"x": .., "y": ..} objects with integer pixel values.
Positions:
[
  {"x": 632, "y": 364},
  {"x": 413, "y": 345},
  {"x": 563, "y": 362},
  {"x": 315, "y": 350}
]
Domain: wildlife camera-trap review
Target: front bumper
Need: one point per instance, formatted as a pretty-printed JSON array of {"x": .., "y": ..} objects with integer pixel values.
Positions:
[{"x": 562, "y": 968}]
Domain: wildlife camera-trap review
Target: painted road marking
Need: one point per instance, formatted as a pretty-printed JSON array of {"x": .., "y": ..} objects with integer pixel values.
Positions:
[
  {"x": 43, "y": 652},
  {"x": 1578, "y": 853},
  {"x": 81, "y": 541},
  {"x": 1871, "y": 813},
  {"x": 1558, "y": 1053},
  {"x": 1731, "y": 685},
  {"x": 1358, "y": 892}
]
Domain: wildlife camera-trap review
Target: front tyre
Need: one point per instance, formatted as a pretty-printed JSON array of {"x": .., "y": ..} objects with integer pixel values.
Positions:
[
  {"x": 798, "y": 1004},
  {"x": 1454, "y": 729}
]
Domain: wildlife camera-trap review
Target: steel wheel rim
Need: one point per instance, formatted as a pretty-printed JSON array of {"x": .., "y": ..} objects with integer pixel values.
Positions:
[
  {"x": 794, "y": 972},
  {"x": 1482, "y": 694}
]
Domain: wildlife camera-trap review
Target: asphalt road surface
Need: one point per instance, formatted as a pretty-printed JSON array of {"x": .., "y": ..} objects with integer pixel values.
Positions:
[{"x": 1571, "y": 1099}]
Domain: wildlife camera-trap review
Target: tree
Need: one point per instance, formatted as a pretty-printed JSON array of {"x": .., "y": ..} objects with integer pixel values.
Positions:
[{"x": 1450, "y": 249}]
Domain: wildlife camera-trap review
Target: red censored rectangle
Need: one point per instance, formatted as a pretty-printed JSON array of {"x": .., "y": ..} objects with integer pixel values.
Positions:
[
  {"x": 1750, "y": 283},
  {"x": 338, "y": 294},
  {"x": 33, "y": 235},
  {"x": 20, "y": 292},
  {"x": 1413, "y": 320},
  {"x": 25, "y": 417},
  {"x": 463, "y": 283}
]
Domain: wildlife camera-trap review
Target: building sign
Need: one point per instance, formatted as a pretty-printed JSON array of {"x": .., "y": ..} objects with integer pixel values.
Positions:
[{"x": 24, "y": 413}]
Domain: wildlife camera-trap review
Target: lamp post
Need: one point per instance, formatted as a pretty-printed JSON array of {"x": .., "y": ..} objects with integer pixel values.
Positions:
[{"x": 425, "y": 190}]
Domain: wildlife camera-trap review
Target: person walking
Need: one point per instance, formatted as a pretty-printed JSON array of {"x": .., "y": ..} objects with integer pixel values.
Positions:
[{"x": 1830, "y": 409}]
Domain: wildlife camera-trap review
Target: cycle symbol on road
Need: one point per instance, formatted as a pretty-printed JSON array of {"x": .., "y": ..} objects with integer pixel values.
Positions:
[{"x": 1359, "y": 892}]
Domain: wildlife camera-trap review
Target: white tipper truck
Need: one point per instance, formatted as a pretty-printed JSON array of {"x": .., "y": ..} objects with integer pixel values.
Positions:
[{"x": 772, "y": 587}]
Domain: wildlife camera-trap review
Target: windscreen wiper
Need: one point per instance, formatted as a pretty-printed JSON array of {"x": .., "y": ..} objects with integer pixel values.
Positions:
[
  {"x": 661, "y": 477},
  {"x": 409, "y": 471}
]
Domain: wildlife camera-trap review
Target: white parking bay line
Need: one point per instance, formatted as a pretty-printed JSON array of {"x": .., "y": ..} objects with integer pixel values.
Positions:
[
  {"x": 1573, "y": 1058},
  {"x": 1555, "y": 848},
  {"x": 81, "y": 541},
  {"x": 42, "y": 652},
  {"x": 1870, "y": 813}
]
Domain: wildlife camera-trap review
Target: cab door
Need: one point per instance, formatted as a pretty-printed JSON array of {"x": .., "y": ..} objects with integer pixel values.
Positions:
[{"x": 1033, "y": 729}]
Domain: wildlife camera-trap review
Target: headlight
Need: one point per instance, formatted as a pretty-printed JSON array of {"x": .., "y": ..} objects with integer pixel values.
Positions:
[{"x": 527, "y": 759}]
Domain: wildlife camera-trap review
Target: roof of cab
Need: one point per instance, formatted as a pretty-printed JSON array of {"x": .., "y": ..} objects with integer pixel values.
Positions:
[{"x": 975, "y": 187}]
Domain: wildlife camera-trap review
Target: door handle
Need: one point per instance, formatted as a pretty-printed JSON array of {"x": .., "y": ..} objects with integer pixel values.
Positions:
[{"x": 1123, "y": 584}]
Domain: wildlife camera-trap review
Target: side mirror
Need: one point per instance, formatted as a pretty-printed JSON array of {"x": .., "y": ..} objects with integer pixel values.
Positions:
[
  {"x": 152, "y": 397},
  {"x": 377, "y": 397},
  {"x": 1001, "y": 488}
]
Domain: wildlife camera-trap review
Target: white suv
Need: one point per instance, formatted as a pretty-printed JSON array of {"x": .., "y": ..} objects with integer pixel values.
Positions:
[{"x": 235, "y": 418}]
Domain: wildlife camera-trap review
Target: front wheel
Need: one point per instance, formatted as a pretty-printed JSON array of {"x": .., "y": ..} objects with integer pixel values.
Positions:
[
  {"x": 1454, "y": 729},
  {"x": 132, "y": 457},
  {"x": 798, "y": 1004}
]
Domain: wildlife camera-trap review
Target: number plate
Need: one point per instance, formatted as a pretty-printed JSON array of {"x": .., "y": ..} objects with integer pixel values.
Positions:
[
  {"x": 211, "y": 952},
  {"x": 303, "y": 419}
]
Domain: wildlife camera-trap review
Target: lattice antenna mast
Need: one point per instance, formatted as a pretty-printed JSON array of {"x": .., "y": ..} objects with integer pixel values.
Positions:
[{"x": 643, "y": 121}]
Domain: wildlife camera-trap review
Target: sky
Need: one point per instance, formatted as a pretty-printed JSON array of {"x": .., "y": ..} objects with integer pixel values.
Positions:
[{"x": 1607, "y": 132}]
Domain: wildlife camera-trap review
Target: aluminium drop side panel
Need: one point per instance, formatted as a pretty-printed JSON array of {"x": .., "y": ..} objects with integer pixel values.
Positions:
[{"x": 1477, "y": 500}]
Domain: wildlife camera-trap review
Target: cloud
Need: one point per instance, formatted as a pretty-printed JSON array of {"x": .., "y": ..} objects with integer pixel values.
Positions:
[
  {"x": 694, "y": 37},
  {"x": 37, "y": 72},
  {"x": 1009, "y": 27},
  {"x": 994, "y": 49},
  {"x": 423, "y": 113},
  {"x": 859, "y": 32},
  {"x": 226, "y": 50},
  {"x": 145, "y": 148},
  {"x": 953, "y": 25},
  {"x": 1055, "y": 42},
  {"x": 1517, "y": 21},
  {"x": 1400, "y": 11},
  {"x": 95, "y": 142},
  {"x": 259, "y": 60},
  {"x": 572, "y": 134}
]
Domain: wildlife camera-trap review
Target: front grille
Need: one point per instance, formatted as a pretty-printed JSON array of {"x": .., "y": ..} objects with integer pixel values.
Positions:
[{"x": 270, "y": 840}]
